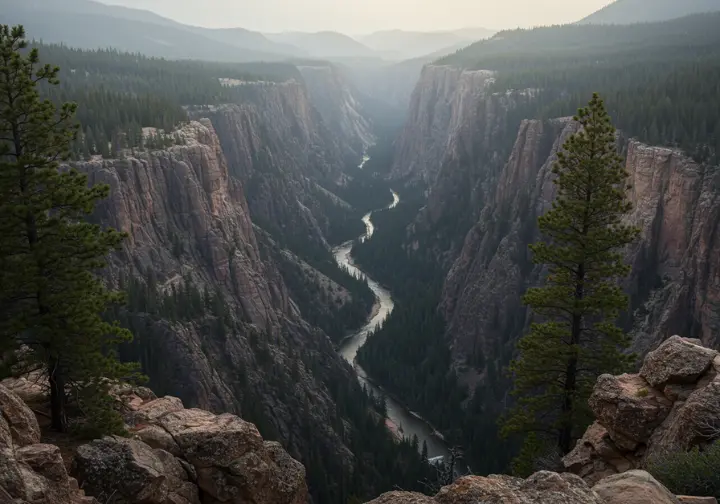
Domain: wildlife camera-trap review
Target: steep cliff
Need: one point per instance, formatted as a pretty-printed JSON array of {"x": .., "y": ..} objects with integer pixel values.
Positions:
[
  {"x": 213, "y": 319},
  {"x": 673, "y": 284},
  {"x": 277, "y": 143},
  {"x": 488, "y": 172},
  {"x": 338, "y": 104},
  {"x": 445, "y": 100},
  {"x": 455, "y": 140},
  {"x": 481, "y": 299}
]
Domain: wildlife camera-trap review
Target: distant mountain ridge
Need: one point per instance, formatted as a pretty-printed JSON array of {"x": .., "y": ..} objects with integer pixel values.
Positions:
[
  {"x": 404, "y": 45},
  {"x": 324, "y": 44},
  {"x": 91, "y": 25},
  {"x": 647, "y": 11}
]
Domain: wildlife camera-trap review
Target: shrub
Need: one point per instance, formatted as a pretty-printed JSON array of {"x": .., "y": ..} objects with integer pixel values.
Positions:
[{"x": 696, "y": 472}]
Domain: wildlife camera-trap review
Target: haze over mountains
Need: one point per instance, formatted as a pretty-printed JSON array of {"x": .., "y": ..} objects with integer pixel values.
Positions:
[
  {"x": 90, "y": 24},
  {"x": 642, "y": 11}
]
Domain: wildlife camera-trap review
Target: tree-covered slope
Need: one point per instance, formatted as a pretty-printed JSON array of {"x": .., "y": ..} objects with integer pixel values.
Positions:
[
  {"x": 119, "y": 93},
  {"x": 660, "y": 80},
  {"x": 645, "y": 11}
]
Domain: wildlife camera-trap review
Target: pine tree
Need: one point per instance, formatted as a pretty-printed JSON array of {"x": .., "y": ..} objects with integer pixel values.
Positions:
[
  {"x": 51, "y": 301},
  {"x": 574, "y": 338}
]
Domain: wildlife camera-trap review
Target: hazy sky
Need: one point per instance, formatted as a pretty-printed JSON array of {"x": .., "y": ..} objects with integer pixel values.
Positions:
[{"x": 363, "y": 16}]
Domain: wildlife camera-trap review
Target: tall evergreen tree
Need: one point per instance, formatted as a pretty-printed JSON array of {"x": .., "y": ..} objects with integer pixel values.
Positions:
[
  {"x": 51, "y": 301},
  {"x": 575, "y": 338}
]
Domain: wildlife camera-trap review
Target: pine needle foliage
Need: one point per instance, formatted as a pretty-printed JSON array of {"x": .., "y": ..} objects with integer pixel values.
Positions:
[
  {"x": 51, "y": 300},
  {"x": 574, "y": 338}
]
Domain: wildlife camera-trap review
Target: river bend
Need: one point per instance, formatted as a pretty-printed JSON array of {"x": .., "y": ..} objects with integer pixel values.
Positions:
[{"x": 400, "y": 419}]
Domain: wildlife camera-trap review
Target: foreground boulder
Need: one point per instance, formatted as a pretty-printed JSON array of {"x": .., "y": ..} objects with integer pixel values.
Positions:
[
  {"x": 672, "y": 404},
  {"x": 31, "y": 472},
  {"x": 131, "y": 471},
  {"x": 188, "y": 456},
  {"x": 634, "y": 487},
  {"x": 541, "y": 488}
]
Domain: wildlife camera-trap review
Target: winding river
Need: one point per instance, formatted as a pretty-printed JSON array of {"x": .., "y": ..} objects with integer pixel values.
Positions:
[{"x": 400, "y": 419}]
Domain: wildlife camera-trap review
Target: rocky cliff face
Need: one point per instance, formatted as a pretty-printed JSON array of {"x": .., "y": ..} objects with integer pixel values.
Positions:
[
  {"x": 286, "y": 155},
  {"x": 488, "y": 168},
  {"x": 190, "y": 231},
  {"x": 445, "y": 102},
  {"x": 481, "y": 298},
  {"x": 673, "y": 280},
  {"x": 455, "y": 140},
  {"x": 338, "y": 105}
]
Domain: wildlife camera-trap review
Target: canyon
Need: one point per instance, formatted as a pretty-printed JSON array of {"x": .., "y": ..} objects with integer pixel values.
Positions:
[
  {"x": 486, "y": 166},
  {"x": 238, "y": 213},
  {"x": 285, "y": 246}
]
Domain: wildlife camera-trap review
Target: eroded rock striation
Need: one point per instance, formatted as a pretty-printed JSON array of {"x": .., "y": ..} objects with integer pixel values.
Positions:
[
  {"x": 286, "y": 155},
  {"x": 672, "y": 404},
  {"x": 492, "y": 177},
  {"x": 673, "y": 261}
]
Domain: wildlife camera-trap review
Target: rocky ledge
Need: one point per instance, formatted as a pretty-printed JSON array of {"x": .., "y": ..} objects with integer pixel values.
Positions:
[
  {"x": 672, "y": 404},
  {"x": 545, "y": 487},
  {"x": 30, "y": 471},
  {"x": 173, "y": 456}
]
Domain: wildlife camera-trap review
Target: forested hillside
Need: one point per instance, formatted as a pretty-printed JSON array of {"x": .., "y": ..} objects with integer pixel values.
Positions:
[
  {"x": 660, "y": 80},
  {"x": 648, "y": 11},
  {"x": 120, "y": 93}
]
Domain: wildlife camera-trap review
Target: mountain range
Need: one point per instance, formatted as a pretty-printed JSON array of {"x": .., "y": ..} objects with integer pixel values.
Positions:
[
  {"x": 642, "y": 11},
  {"x": 89, "y": 24}
]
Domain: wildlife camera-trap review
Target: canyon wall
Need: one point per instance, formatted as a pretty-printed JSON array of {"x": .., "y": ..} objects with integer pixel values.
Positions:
[
  {"x": 455, "y": 140},
  {"x": 338, "y": 104},
  {"x": 490, "y": 173},
  {"x": 189, "y": 231},
  {"x": 445, "y": 102},
  {"x": 673, "y": 286},
  {"x": 289, "y": 157}
]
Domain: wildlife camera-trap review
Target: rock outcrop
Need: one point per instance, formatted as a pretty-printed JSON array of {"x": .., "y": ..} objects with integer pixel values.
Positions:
[
  {"x": 189, "y": 456},
  {"x": 31, "y": 472},
  {"x": 634, "y": 487},
  {"x": 673, "y": 404},
  {"x": 541, "y": 488}
]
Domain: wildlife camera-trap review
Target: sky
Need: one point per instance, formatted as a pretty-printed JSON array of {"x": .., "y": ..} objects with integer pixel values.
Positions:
[{"x": 365, "y": 16}]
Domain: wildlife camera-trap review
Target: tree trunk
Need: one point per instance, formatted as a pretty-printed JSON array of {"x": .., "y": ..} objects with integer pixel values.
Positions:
[
  {"x": 58, "y": 400},
  {"x": 565, "y": 438}
]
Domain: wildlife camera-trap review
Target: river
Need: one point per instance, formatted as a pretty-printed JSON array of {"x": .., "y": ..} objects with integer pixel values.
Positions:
[{"x": 402, "y": 420}]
